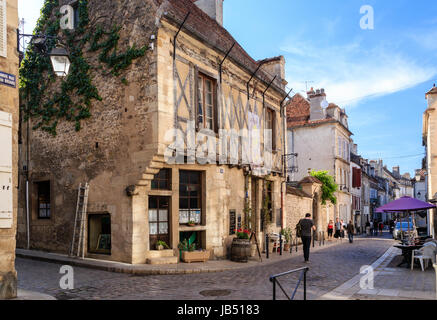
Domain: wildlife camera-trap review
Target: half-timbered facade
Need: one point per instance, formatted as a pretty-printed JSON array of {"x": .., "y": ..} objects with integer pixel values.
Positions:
[{"x": 180, "y": 152}]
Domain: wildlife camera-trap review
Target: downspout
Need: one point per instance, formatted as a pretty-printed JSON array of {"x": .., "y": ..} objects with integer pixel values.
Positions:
[{"x": 284, "y": 156}]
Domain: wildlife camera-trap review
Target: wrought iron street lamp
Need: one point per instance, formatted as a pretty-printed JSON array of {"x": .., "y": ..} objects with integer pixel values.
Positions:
[{"x": 59, "y": 56}]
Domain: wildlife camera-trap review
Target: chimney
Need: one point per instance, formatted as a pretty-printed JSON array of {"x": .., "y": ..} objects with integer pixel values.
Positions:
[
  {"x": 213, "y": 8},
  {"x": 316, "y": 110},
  {"x": 276, "y": 67},
  {"x": 396, "y": 171}
]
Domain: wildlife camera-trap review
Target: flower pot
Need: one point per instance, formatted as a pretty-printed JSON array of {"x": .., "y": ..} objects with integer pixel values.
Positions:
[
  {"x": 241, "y": 250},
  {"x": 195, "y": 256},
  {"x": 159, "y": 247}
]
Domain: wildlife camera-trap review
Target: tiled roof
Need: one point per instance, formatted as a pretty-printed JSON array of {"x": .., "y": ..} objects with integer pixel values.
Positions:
[
  {"x": 297, "y": 192},
  {"x": 211, "y": 32},
  {"x": 432, "y": 91},
  {"x": 310, "y": 179},
  {"x": 298, "y": 111}
]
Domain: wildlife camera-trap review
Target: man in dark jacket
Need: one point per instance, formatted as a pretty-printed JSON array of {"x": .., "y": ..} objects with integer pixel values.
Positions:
[
  {"x": 307, "y": 226},
  {"x": 350, "y": 231}
]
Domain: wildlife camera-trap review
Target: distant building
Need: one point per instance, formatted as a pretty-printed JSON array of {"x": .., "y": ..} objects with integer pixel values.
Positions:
[{"x": 318, "y": 132}]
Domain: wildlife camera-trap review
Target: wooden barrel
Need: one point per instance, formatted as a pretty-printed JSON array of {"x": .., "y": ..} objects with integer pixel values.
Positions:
[{"x": 240, "y": 250}]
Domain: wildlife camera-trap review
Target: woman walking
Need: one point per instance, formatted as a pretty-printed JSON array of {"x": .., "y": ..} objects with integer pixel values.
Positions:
[
  {"x": 338, "y": 228},
  {"x": 350, "y": 231},
  {"x": 330, "y": 230}
]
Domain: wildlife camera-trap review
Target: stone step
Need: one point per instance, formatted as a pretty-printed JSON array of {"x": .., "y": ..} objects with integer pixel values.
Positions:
[
  {"x": 160, "y": 253},
  {"x": 147, "y": 176},
  {"x": 163, "y": 260},
  {"x": 158, "y": 158},
  {"x": 155, "y": 165}
]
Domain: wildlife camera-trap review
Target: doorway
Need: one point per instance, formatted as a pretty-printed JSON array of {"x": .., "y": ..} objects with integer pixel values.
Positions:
[{"x": 159, "y": 226}]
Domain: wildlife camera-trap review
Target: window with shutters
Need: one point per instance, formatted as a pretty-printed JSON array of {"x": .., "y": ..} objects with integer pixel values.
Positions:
[
  {"x": 3, "y": 29},
  {"x": 270, "y": 125}
]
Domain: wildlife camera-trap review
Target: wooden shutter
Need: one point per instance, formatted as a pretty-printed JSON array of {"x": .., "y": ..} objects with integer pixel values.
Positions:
[
  {"x": 6, "y": 185},
  {"x": 3, "y": 29}
]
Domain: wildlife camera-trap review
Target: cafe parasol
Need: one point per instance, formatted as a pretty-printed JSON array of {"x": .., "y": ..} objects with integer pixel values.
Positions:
[{"x": 405, "y": 204}]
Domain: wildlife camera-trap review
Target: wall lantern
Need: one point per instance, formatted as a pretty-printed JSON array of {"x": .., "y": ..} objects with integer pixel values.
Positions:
[{"x": 60, "y": 61}]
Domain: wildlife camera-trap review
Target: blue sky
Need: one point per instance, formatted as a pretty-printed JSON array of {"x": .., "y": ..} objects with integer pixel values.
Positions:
[{"x": 380, "y": 76}]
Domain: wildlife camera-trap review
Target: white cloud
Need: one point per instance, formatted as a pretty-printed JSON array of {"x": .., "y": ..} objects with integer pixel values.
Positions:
[{"x": 351, "y": 74}]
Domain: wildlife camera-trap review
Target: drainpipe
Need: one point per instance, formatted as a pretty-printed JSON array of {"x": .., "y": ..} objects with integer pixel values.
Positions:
[{"x": 27, "y": 185}]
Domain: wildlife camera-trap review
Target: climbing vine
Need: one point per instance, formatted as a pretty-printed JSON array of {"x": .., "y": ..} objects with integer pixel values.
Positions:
[
  {"x": 77, "y": 91},
  {"x": 329, "y": 186}
]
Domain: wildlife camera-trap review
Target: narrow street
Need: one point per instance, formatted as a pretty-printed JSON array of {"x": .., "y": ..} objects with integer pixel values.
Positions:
[{"x": 329, "y": 268}]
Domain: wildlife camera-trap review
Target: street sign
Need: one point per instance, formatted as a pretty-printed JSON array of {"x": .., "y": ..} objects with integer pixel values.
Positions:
[{"x": 7, "y": 79}]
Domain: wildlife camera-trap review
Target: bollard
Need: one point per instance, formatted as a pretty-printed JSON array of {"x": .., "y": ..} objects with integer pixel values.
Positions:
[
  {"x": 267, "y": 246},
  {"x": 296, "y": 244},
  {"x": 314, "y": 238},
  {"x": 323, "y": 237},
  {"x": 320, "y": 239},
  {"x": 280, "y": 244},
  {"x": 291, "y": 244}
]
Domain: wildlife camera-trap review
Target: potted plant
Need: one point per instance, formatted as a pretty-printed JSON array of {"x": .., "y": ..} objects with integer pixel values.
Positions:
[
  {"x": 191, "y": 223},
  {"x": 241, "y": 249},
  {"x": 161, "y": 245},
  {"x": 190, "y": 254},
  {"x": 286, "y": 233}
]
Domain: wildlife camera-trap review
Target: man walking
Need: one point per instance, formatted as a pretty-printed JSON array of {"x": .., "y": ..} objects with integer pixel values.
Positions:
[
  {"x": 350, "y": 231},
  {"x": 306, "y": 226}
]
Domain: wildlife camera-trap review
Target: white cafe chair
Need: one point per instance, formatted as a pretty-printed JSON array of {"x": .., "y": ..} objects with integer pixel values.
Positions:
[{"x": 425, "y": 254}]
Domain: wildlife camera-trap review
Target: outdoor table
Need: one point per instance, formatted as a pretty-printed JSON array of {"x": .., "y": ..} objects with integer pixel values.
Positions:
[{"x": 407, "y": 252}]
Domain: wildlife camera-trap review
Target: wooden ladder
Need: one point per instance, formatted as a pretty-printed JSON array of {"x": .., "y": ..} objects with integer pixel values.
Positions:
[{"x": 79, "y": 222}]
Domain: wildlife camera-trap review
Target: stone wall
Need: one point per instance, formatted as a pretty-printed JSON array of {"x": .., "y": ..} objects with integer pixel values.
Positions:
[
  {"x": 9, "y": 104},
  {"x": 113, "y": 148}
]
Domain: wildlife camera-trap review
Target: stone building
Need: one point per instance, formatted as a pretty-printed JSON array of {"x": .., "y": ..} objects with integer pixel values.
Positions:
[
  {"x": 8, "y": 145},
  {"x": 305, "y": 198},
  {"x": 142, "y": 149},
  {"x": 318, "y": 132},
  {"x": 430, "y": 143}
]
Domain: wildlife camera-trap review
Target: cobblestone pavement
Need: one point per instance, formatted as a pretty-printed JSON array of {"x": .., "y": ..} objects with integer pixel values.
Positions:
[{"x": 329, "y": 268}]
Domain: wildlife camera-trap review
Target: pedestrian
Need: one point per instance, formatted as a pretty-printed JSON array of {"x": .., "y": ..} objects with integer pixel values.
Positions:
[
  {"x": 306, "y": 226},
  {"x": 381, "y": 227},
  {"x": 350, "y": 231},
  {"x": 330, "y": 229},
  {"x": 368, "y": 228},
  {"x": 338, "y": 228},
  {"x": 371, "y": 228},
  {"x": 343, "y": 226}
]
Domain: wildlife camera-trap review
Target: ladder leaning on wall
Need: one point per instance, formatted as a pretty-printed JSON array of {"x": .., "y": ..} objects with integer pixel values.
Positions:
[{"x": 79, "y": 222}]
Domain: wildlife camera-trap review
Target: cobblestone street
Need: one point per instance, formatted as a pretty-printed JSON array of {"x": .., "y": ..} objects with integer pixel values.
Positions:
[{"x": 329, "y": 268}]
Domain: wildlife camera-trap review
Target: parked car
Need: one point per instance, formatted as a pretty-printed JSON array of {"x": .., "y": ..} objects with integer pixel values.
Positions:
[{"x": 397, "y": 230}]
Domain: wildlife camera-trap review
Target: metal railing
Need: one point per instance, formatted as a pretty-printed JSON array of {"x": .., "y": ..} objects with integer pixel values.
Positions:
[{"x": 303, "y": 276}]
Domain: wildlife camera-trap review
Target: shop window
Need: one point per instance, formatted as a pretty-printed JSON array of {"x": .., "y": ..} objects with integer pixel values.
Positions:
[
  {"x": 99, "y": 233},
  {"x": 162, "y": 180},
  {"x": 190, "y": 197},
  {"x": 44, "y": 205}
]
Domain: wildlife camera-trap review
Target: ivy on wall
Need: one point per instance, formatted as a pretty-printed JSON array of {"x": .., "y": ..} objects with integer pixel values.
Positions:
[{"x": 73, "y": 101}]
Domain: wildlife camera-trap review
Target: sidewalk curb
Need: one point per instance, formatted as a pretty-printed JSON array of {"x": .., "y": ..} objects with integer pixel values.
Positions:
[{"x": 176, "y": 269}]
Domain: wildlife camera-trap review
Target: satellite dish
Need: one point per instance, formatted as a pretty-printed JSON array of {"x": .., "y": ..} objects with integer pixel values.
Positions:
[{"x": 324, "y": 104}]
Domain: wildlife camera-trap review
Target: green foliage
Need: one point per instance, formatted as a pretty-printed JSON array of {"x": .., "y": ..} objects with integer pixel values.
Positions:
[
  {"x": 73, "y": 101},
  {"x": 162, "y": 243},
  {"x": 185, "y": 246},
  {"x": 329, "y": 186},
  {"x": 287, "y": 233}
]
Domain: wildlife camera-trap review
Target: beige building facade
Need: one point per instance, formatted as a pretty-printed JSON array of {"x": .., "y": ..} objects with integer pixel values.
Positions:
[
  {"x": 143, "y": 151},
  {"x": 430, "y": 143},
  {"x": 318, "y": 133},
  {"x": 9, "y": 106}
]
